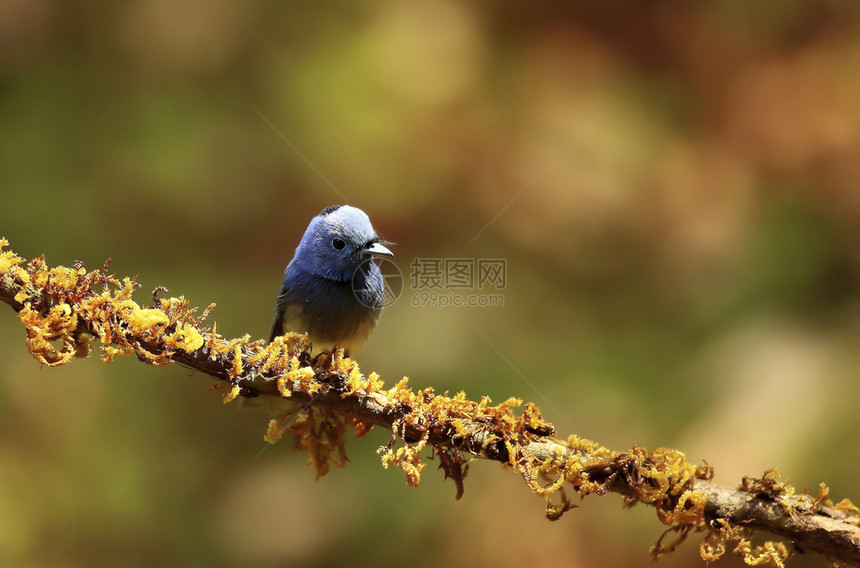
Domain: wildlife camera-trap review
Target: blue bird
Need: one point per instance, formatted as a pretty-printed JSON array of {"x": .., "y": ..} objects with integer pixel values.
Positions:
[{"x": 332, "y": 288}]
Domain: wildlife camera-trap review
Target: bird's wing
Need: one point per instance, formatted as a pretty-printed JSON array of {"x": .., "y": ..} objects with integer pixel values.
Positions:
[
  {"x": 278, "y": 322},
  {"x": 284, "y": 307}
]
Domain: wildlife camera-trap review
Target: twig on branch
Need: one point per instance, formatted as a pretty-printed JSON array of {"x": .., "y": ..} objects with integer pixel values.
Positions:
[{"x": 63, "y": 308}]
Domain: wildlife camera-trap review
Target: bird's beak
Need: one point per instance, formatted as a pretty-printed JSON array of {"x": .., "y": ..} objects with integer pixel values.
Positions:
[{"x": 378, "y": 249}]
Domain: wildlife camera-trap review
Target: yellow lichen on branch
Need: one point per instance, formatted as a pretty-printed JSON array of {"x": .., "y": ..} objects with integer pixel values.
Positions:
[
  {"x": 50, "y": 337},
  {"x": 60, "y": 308},
  {"x": 718, "y": 541}
]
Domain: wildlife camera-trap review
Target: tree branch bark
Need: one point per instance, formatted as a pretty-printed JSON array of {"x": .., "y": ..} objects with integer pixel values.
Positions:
[{"x": 62, "y": 308}]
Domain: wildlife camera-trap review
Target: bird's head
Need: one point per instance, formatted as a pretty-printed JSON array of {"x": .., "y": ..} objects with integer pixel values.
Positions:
[{"x": 337, "y": 242}]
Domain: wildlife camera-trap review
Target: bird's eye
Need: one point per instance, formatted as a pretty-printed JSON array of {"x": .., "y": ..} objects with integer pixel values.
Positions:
[{"x": 338, "y": 244}]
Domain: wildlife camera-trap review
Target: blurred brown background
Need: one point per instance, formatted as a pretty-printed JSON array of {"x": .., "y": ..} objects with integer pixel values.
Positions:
[{"x": 685, "y": 273}]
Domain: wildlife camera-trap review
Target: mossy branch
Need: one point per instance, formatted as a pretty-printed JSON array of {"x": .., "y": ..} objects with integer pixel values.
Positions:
[{"x": 63, "y": 308}]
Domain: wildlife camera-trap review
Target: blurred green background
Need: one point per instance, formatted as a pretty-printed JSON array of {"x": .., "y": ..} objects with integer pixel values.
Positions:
[{"x": 685, "y": 273}]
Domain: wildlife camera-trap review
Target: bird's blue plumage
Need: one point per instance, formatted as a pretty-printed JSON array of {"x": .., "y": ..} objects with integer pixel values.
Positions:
[{"x": 332, "y": 289}]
